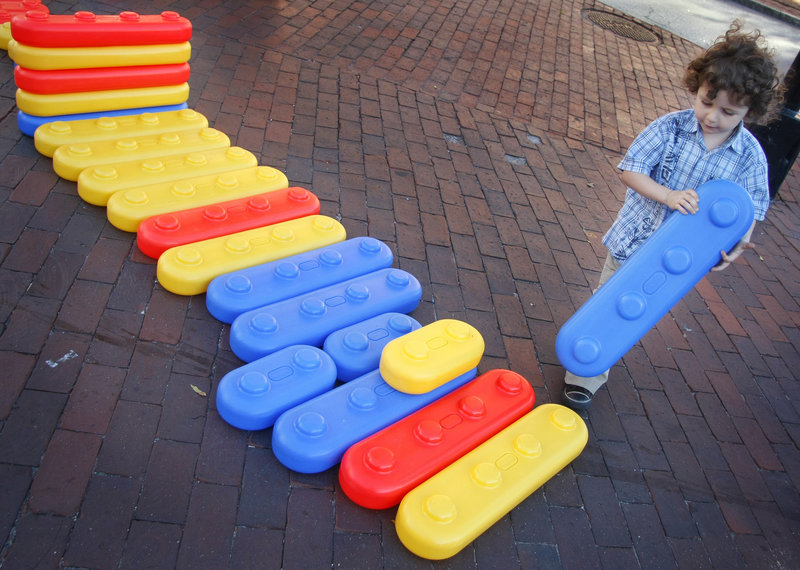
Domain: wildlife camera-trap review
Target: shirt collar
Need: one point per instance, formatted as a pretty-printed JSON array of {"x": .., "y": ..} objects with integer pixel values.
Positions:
[{"x": 734, "y": 141}]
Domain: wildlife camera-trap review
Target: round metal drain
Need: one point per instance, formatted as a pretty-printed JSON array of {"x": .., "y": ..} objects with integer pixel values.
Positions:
[{"x": 621, "y": 26}]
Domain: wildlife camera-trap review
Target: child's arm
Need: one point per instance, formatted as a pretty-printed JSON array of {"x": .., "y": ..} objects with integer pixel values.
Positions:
[
  {"x": 685, "y": 201},
  {"x": 738, "y": 249}
]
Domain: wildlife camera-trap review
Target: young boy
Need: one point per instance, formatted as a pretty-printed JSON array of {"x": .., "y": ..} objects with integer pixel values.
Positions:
[{"x": 734, "y": 80}]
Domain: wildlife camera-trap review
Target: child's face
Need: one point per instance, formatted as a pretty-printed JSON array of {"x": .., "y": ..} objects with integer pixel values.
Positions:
[{"x": 719, "y": 116}]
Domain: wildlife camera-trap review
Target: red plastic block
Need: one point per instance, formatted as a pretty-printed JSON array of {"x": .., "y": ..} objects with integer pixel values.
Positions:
[
  {"x": 86, "y": 29},
  {"x": 160, "y": 233},
  {"x": 52, "y": 81},
  {"x": 378, "y": 471},
  {"x": 9, "y": 9}
]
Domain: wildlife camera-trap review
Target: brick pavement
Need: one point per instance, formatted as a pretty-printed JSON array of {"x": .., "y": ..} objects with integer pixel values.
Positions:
[{"x": 479, "y": 140}]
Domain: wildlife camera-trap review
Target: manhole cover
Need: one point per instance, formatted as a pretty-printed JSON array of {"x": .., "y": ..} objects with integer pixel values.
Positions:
[{"x": 621, "y": 26}]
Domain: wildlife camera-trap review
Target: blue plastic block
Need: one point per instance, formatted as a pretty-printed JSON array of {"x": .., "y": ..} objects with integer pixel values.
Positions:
[
  {"x": 313, "y": 436},
  {"x": 654, "y": 279},
  {"x": 29, "y": 123},
  {"x": 310, "y": 318},
  {"x": 232, "y": 294},
  {"x": 252, "y": 396},
  {"x": 357, "y": 349}
]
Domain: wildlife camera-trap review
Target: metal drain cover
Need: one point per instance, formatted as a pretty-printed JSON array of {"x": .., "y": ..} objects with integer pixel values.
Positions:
[{"x": 621, "y": 26}]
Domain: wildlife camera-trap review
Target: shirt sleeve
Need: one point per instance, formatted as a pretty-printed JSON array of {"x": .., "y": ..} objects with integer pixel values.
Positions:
[
  {"x": 646, "y": 151},
  {"x": 755, "y": 179}
]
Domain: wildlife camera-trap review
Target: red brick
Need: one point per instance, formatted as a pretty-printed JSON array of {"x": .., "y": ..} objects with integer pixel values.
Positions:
[
  {"x": 65, "y": 470},
  {"x": 209, "y": 531},
  {"x": 33, "y": 531},
  {"x": 34, "y": 188},
  {"x": 93, "y": 399},
  {"x": 16, "y": 369},
  {"x": 310, "y": 513},
  {"x": 100, "y": 532},
  {"x": 168, "y": 483},
  {"x": 83, "y": 306},
  {"x": 163, "y": 320},
  {"x": 222, "y": 452},
  {"x": 129, "y": 439},
  {"x": 115, "y": 338},
  {"x": 152, "y": 545},
  {"x": 30, "y": 251},
  {"x": 29, "y": 426},
  {"x": 105, "y": 260}
]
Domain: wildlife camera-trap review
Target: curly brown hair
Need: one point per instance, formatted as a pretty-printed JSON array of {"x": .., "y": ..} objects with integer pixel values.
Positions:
[{"x": 741, "y": 64}]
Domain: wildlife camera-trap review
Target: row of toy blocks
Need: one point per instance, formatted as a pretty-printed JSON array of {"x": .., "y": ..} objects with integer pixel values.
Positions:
[
  {"x": 70, "y": 159},
  {"x": 245, "y": 407},
  {"x": 384, "y": 337},
  {"x": 127, "y": 209},
  {"x": 252, "y": 396},
  {"x": 188, "y": 269},
  {"x": 69, "y": 65},
  {"x": 313, "y": 436},
  {"x": 157, "y": 234},
  {"x": 310, "y": 318},
  {"x": 455, "y": 506},
  {"x": 232, "y": 294},
  {"x": 59, "y": 133}
]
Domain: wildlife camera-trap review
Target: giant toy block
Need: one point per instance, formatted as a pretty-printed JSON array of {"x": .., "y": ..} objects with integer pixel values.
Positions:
[
  {"x": 5, "y": 32},
  {"x": 58, "y": 133},
  {"x": 421, "y": 360},
  {"x": 126, "y": 209},
  {"x": 310, "y": 318},
  {"x": 9, "y": 9},
  {"x": 313, "y": 436},
  {"x": 70, "y": 159},
  {"x": 32, "y": 57},
  {"x": 85, "y": 29},
  {"x": 77, "y": 65},
  {"x": 157, "y": 234},
  {"x": 188, "y": 269},
  {"x": 357, "y": 349},
  {"x": 252, "y": 396},
  {"x": 451, "y": 509},
  {"x": 232, "y": 294},
  {"x": 98, "y": 183},
  {"x": 653, "y": 279},
  {"x": 29, "y": 123},
  {"x": 379, "y": 470},
  {"x": 50, "y": 105},
  {"x": 51, "y": 81}
]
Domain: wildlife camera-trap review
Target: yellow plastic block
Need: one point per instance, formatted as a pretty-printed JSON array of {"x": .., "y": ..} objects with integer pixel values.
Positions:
[
  {"x": 98, "y": 183},
  {"x": 50, "y": 136},
  {"x": 426, "y": 358},
  {"x": 188, "y": 269},
  {"x": 451, "y": 509},
  {"x": 105, "y": 56},
  {"x": 126, "y": 209},
  {"x": 70, "y": 159},
  {"x": 5, "y": 35},
  {"x": 98, "y": 101}
]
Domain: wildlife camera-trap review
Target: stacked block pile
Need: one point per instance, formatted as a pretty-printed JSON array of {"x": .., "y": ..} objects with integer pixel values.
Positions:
[
  {"x": 333, "y": 361},
  {"x": 86, "y": 65}
]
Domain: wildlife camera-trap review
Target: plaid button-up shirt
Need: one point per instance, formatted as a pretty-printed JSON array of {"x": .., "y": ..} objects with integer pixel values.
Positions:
[{"x": 671, "y": 150}]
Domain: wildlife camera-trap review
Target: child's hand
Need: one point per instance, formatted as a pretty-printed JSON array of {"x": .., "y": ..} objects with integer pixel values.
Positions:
[
  {"x": 685, "y": 201},
  {"x": 729, "y": 257}
]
